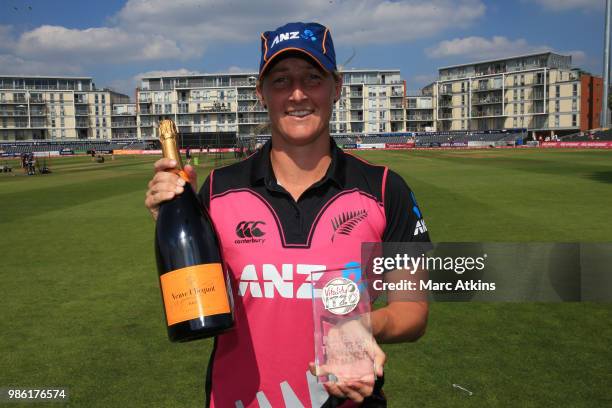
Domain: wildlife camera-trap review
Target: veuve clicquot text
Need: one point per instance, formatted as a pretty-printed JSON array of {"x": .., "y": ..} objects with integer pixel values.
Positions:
[{"x": 194, "y": 284}]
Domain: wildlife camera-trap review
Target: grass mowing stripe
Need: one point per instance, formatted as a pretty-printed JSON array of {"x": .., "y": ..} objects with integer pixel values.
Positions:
[{"x": 83, "y": 307}]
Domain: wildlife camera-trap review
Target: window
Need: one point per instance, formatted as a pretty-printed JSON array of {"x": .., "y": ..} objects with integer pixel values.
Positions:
[
  {"x": 557, "y": 91},
  {"x": 514, "y": 94},
  {"x": 522, "y": 93},
  {"x": 514, "y": 122},
  {"x": 574, "y": 121},
  {"x": 522, "y": 80},
  {"x": 575, "y": 90},
  {"x": 574, "y": 105},
  {"x": 556, "y": 120},
  {"x": 557, "y": 106},
  {"x": 96, "y": 98},
  {"x": 522, "y": 108},
  {"x": 61, "y": 97}
]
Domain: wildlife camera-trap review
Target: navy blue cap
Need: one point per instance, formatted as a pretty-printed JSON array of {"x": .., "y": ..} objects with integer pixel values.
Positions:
[{"x": 312, "y": 39}]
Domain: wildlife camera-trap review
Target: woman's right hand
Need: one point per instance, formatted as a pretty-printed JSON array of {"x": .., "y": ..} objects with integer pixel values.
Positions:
[{"x": 165, "y": 184}]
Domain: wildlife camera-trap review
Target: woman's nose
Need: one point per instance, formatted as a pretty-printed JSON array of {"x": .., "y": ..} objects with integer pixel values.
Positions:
[{"x": 297, "y": 94}]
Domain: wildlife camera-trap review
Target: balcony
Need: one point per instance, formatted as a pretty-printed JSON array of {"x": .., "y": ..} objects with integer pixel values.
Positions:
[
  {"x": 82, "y": 123},
  {"x": 123, "y": 124},
  {"x": 38, "y": 124},
  {"x": 487, "y": 101},
  {"x": 481, "y": 114},
  {"x": 253, "y": 120},
  {"x": 356, "y": 106},
  {"x": 247, "y": 97},
  {"x": 251, "y": 108},
  {"x": 11, "y": 113},
  {"x": 419, "y": 117},
  {"x": 82, "y": 112}
]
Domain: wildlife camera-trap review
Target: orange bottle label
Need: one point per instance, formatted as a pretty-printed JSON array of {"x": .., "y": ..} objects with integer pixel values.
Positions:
[{"x": 193, "y": 292}]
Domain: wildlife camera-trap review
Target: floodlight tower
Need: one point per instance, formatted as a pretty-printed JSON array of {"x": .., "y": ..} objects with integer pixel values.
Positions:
[{"x": 606, "y": 75}]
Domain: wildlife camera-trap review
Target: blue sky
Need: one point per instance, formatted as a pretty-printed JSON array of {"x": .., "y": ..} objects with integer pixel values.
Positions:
[{"x": 118, "y": 41}]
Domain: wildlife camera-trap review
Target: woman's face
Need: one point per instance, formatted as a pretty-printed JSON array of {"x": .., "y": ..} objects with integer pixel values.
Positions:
[{"x": 300, "y": 98}]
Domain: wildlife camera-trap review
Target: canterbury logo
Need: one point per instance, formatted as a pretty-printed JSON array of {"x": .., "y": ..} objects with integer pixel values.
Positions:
[
  {"x": 345, "y": 223},
  {"x": 249, "y": 229}
]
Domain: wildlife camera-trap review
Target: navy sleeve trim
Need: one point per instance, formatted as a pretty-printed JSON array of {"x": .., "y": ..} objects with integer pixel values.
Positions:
[{"x": 405, "y": 221}]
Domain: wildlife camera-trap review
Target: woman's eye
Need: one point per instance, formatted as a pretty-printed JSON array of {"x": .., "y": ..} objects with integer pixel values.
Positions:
[{"x": 279, "y": 80}]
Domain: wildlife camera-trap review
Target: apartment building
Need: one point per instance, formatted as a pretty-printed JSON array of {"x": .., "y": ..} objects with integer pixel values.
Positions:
[
  {"x": 540, "y": 92},
  {"x": 54, "y": 108},
  {"x": 420, "y": 111},
  {"x": 372, "y": 101}
]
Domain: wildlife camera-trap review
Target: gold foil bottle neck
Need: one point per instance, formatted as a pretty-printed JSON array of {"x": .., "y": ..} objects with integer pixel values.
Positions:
[{"x": 168, "y": 136}]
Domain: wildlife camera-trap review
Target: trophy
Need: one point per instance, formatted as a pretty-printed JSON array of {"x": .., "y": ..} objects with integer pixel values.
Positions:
[{"x": 344, "y": 346}]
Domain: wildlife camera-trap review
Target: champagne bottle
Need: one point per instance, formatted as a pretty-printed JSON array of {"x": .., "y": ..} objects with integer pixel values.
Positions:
[{"x": 195, "y": 287}]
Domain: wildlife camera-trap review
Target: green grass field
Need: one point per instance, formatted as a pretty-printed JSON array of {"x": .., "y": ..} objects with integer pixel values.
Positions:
[{"x": 81, "y": 306}]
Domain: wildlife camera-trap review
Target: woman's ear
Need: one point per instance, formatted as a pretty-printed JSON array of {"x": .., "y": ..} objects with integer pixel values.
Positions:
[
  {"x": 338, "y": 87},
  {"x": 260, "y": 95}
]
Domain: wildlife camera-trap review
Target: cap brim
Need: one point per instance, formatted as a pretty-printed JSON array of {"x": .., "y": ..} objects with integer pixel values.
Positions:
[{"x": 294, "y": 49}]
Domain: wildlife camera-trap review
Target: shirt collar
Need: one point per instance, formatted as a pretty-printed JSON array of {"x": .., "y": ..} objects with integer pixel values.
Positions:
[{"x": 261, "y": 168}]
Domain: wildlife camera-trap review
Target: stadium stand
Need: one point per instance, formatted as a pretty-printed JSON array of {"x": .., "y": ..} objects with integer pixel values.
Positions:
[
  {"x": 604, "y": 134},
  {"x": 420, "y": 138}
]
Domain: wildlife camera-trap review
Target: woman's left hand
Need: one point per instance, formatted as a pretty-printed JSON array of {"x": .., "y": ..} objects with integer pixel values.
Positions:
[{"x": 350, "y": 352}]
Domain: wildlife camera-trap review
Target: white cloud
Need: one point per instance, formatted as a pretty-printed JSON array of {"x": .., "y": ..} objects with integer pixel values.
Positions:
[
  {"x": 6, "y": 37},
  {"x": 479, "y": 48},
  {"x": 564, "y": 5},
  {"x": 14, "y": 65},
  {"x": 101, "y": 44},
  {"x": 196, "y": 23},
  {"x": 158, "y": 30},
  {"x": 483, "y": 48}
]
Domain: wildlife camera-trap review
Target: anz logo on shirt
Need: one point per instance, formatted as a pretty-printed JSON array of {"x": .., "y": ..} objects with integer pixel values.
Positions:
[
  {"x": 290, "y": 281},
  {"x": 420, "y": 227}
]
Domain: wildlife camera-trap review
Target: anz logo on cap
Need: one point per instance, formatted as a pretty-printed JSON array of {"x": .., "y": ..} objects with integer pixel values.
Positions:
[{"x": 293, "y": 35}]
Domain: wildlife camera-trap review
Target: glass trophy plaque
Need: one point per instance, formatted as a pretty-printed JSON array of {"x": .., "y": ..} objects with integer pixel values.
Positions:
[{"x": 344, "y": 346}]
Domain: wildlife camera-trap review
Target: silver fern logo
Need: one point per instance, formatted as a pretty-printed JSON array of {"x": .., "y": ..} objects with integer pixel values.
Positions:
[{"x": 347, "y": 221}]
